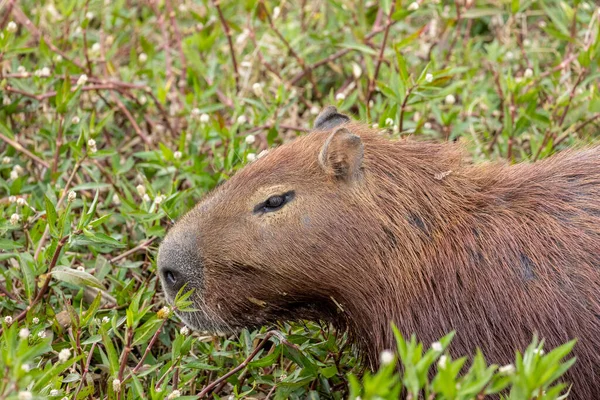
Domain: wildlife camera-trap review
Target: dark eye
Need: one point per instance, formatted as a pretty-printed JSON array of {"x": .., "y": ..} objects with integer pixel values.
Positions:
[{"x": 274, "y": 203}]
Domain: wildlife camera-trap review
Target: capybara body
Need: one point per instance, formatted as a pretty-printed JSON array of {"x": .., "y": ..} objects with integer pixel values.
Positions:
[{"x": 347, "y": 226}]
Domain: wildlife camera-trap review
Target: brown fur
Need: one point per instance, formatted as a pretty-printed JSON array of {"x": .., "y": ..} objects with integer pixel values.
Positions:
[{"x": 411, "y": 234}]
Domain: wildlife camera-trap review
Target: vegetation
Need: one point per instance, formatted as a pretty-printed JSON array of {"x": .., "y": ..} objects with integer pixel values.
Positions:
[{"x": 117, "y": 116}]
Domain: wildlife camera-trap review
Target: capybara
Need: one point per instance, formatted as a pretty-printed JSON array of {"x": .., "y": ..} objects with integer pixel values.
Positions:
[{"x": 347, "y": 226}]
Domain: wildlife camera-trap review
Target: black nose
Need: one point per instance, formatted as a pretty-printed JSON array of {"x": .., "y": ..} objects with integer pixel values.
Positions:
[{"x": 179, "y": 262}]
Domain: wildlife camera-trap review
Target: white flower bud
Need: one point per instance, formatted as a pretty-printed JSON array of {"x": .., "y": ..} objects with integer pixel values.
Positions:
[
  {"x": 389, "y": 121},
  {"x": 6, "y": 160},
  {"x": 340, "y": 97},
  {"x": 250, "y": 139},
  {"x": 14, "y": 221},
  {"x": 89, "y": 15},
  {"x": 24, "y": 333},
  {"x": 177, "y": 155},
  {"x": 35, "y": 321},
  {"x": 64, "y": 355},
  {"x": 184, "y": 331},
  {"x": 204, "y": 118},
  {"x": 141, "y": 189},
  {"x": 75, "y": 120},
  {"x": 54, "y": 392},
  {"x": 25, "y": 395},
  {"x": 21, "y": 202},
  {"x": 8, "y": 319},
  {"x": 437, "y": 346},
  {"x": 116, "y": 383},
  {"x": 159, "y": 199},
  {"x": 450, "y": 99},
  {"x": 11, "y": 27},
  {"x": 146, "y": 198},
  {"x": 528, "y": 73},
  {"x": 105, "y": 320},
  {"x": 386, "y": 357},
  {"x": 251, "y": 157},
  {"x": 257, "y": 89},
  {"x": 83, "y": 78},
  {"x": 174, "y": 394},
  {"x": 96, "y": 48},
  {"x": 429, "y": 78},
  {"x": 413, "y": 6},
  {"x": 241, "y": 119},
  {"x": 71, "y": 196},
  {"x": 142, "y": 58}
]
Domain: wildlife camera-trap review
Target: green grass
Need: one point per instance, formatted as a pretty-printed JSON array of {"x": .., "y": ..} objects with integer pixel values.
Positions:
[{"x": 117, "y": 116}]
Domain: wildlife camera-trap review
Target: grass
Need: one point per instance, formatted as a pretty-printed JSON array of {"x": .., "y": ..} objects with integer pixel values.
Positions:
[{"x": 117, "y": 116}]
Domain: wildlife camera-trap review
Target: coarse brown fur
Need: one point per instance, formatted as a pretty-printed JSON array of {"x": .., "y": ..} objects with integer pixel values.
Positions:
[{"x": 406, "y": 232}]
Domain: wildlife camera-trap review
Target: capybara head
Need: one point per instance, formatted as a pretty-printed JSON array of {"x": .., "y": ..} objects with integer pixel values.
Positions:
[{"x": 263, "y": 246}]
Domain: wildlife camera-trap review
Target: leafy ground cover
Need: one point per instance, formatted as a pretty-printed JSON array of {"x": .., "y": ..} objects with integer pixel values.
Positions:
[{"x": 117, "y": 116}]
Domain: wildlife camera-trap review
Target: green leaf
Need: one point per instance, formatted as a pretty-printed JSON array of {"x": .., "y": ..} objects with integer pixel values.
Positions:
[{"x": 75, "y": 277}]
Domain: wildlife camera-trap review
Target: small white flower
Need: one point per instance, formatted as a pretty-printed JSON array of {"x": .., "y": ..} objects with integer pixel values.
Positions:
[
  {"x": 89, "y": 15},
  {"x": 105, "y": 320},
  {"x": 21, "y": 69},
  {"x": 24, "y": 333},
  {"x": 43, "y": 72},
  {"x": 21, "y": 202},
  {"x": 174, "y": 394},
  {"x": 507, "y": 369},
  {"x": 509, "y": 55},
  {"x": 340, "y": 96},
  {"x": 442, "y": 362},
  {"x": 83, "y": 78},
  {"x": 142, "y": 58},
  {"x": 182, "y": 8},
  {"x": 116, "y": 383},
  {"x": 356, "y": 70},
  {"x": 375, "y": 126},
  {"x": 8, "y": 319},
  {"x": 92, "y": 145},
  {"x": 276, "y": 12},
  {"x": 14, "y": 221},
  {"x": 242, "y": 37},
  {"x": 141, "y": 189},
  {"x": 413, "y": 6},
  {"x": 250, "y": 139},
  {"x": 65, "y": 398},
  {"x": 14, "y": 175},
  {"x": 386, "y": 357},
  {"x": 389, "y": 121},
  {"x": 163, "y": 313},
  {"x": 42, "y": 334},
  {"x": 6, "y": 160},
  {"x": 18, "y": 169},
  {"x": 429, "y": 78},
  {"x": 262, "y": 154},
  {"x": 81, "y": 268},
  {"x": 314, "y": 110},
  {"x": 538, "y": 351},
  {"x": 204, "y": 118},
  {"x": 184, "y": 331},
  {"x": 528, "y": 73},
  {"x": 251, "y": 157},
  {"x": 25, "y": 395},
  {"x": 35, "y": 321},
  {"x": 195, "y": 112},
  {"x": 58, "y": 58},
  {"x": 246, "y": 64},
  {"x": 26, "y": 367},
  {"x": 177, "y": 155},
  {"x": 450, "y": 99},
  {"x": 12, "y": 199},
  {"x": 64, "y": 355},
  {"x": 143, "y": 99},
  {"x": 115, "y": 199},
  {"x": 54, "y": 392},
  {"x": 242, "y": 119},
  {"x": 159, "y": 199},
  {"x": 146, "y": 198},
  {"x": 257, "y": 89},
  {"x": 75, "y": 120},
  {"x": 526, "y": 42},
  {"x": 427, "y": 125},
  {"x": 71, "y": 196},
  {"x": 11, "y": 27},
  {"x": 437, "y": 346},
  {"x": 6, "y": 101},
  {"x": 95, "y": 48}
]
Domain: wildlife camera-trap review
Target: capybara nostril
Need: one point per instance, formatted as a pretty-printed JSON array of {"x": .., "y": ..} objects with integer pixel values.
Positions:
[
  {"x": 172, "y": 279},
  {"x": 178, "y": 262}
]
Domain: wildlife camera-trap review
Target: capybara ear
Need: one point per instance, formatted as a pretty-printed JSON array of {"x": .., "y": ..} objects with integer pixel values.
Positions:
[
  {"x": 329, "y": 118},
  {"x": 342, "y": 155}
]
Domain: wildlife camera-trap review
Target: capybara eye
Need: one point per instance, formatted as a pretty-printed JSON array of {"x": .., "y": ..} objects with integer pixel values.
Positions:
[{"x": 274, "y": 203}]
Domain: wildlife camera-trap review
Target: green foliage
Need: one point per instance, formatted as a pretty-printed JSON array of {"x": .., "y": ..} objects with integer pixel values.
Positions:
[
  {"x": 534, "y": 376},
  {"x": 117, "y": 116}
]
